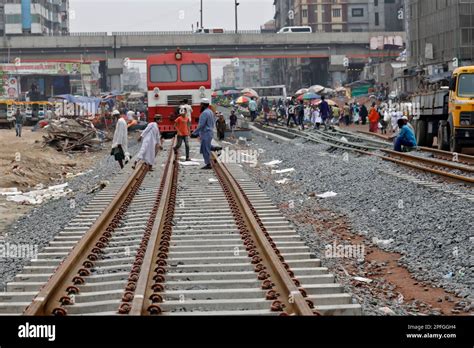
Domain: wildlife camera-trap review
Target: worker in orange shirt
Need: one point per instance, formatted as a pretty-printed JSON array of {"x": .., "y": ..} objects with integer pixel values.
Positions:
[{"x": 182, "y": 127}]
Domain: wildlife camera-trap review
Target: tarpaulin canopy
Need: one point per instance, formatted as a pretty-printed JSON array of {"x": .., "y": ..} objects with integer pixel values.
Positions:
[{"x": 90, "y": 104}]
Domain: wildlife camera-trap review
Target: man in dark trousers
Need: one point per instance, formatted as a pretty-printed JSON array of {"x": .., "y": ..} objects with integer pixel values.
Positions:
[
  {"x": 291, "y": 113},
  {"x": 301, "y": 114},
  {"x": 18, "y": 122},
  {"x": 364, "y": 113},
  {"x": 205, "y": 131},
  {"x": 325, "y": 111}
]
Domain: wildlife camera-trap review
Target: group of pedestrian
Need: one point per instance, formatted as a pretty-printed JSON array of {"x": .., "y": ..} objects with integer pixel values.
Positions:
[{"x": 299, "y": 113}]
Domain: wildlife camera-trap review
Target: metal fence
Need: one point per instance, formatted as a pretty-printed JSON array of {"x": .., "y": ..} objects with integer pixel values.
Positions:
[{"x": 167, "y": 33}]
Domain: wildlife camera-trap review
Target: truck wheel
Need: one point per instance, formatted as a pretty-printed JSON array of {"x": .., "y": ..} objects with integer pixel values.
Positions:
[
  {"x": 421, "y": 132},
  {"x": 442, "y": 136},
  {"x": 453, "y": 145}
]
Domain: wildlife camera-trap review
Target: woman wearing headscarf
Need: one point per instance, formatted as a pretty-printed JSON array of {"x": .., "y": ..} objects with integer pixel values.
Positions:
[
  {"x": 374, "y": 118},
  {"x": 120, "y": 141},
  {"x": 150, "y": 139}
]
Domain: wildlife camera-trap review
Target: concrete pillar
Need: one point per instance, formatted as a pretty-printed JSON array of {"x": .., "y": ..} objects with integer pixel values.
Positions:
[
  {"x": 115, "y": 82},
  {"x": 114, "y": 73}
]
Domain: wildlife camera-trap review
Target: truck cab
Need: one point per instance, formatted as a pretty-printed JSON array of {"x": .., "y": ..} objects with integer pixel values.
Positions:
[{"x": 458, "y": 131}]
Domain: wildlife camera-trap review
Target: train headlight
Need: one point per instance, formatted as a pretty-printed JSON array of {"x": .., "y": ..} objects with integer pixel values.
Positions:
[
  {"x": 156, "y": 90},
  {"x": 202, "y": 90}
]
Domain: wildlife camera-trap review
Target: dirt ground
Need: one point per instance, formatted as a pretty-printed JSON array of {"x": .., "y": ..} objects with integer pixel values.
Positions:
[{"x": 25, "y": 163}]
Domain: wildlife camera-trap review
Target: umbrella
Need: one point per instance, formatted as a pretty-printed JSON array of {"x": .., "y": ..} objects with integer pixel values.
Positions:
[
  {"x": 330, "y": 102},
  {"x": 310, "y": 96},
  {"x": 302, "y": 91},
  {"x": 249, "y": 92},
  {"x": 328, "y": 91},
  {"x": 340, "y": 89},
  {"x": 231, "y": 92},
  {"x": 242, "y": 100},
  {"x": 316, "y": 89}
]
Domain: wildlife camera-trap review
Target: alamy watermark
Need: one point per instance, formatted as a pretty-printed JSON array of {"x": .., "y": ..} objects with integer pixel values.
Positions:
[
  {"x": 18, "y": 251},
  {"x": 240, "y": 156},
  {"x": 345, "y": 251},
  {"x": 411, "y": 109}
]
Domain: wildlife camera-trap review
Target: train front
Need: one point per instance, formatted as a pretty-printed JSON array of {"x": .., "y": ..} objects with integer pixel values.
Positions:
[{"x": 172, "y": 79}]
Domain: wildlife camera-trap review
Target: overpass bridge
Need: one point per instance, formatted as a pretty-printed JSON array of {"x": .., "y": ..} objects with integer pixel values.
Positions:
[{"x": 139, "y": 45}]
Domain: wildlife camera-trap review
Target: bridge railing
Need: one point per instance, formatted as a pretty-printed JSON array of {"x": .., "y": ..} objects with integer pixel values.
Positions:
[
  {"x": 87, "y": 34},
  {"x": 166, "y": 33}
]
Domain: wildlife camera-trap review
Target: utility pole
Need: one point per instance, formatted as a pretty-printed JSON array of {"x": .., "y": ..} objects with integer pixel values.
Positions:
[
  {"x": 236, "y": 17},
  {"x": 202, "y": 26}
]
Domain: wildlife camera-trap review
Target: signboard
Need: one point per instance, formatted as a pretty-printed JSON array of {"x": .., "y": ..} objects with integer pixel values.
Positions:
[
  {"x": 43, "y": 68},
  {"x": 10, "y": 87},
  {"x": 380, "y": 42},
  {"x": 360, "y": 90}
]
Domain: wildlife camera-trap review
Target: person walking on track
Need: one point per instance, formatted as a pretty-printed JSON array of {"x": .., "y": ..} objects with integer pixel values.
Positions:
[
  {"x": 151, "y": 140},
  {"x": 205, "y": 131},
  {"x": 182, "y": 127},
  {"x": 120, "y": 141}
]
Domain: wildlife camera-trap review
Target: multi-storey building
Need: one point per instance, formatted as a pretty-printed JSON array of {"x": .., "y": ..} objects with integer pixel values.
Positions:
[
  {"x": 247, "y": 73},
  {"x": 440, "y": 33},
  {"x": 34, "y": 17},
  {"x": 348, "y": 15},
  {"x": 330, "y": 16}
]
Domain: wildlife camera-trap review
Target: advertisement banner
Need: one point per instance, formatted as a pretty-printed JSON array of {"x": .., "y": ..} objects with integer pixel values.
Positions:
[
  {"x": 11, "y": 87},
  {"x": 44, "y": 68}
]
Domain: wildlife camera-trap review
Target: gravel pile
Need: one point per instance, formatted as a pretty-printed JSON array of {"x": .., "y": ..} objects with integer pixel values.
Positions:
[
  {"x": 433, "y": 230},
  {"x": 43, "y": 223}
]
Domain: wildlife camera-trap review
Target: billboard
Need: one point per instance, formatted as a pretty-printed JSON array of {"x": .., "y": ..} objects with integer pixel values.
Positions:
[
  {"x": 380, "y": 42},
  {"x": 11, "y": 87},
  {"x": 44, "y": 68}
]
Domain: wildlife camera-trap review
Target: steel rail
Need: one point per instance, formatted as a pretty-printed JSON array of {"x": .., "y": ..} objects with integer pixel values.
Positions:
[
  {"x": 81, "y": 258},
  {"x": 286, "y": 288},
  {"x": 461, "y": 178},
  {"x": 429, "y": 161},
  {"x": 461, "y": 157},
  {"x": 141, "y": 294}
]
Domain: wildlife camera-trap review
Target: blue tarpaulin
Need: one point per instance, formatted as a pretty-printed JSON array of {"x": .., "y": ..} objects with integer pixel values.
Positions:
[{"x": 91, "y": 104}]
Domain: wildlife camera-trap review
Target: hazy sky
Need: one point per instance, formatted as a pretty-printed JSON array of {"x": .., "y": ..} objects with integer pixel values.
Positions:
[
  {"x": 164, "y": 15},
  {"x": 167, "y": 15}
]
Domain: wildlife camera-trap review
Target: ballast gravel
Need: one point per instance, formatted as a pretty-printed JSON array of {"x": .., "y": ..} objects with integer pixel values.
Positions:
[
  {"x": 39, "y": 226},
  {"x": 432, "y": 228}
]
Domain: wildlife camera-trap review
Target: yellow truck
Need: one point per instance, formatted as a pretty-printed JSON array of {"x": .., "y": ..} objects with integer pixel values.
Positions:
[
  {"x": 447, "y": 114},
  {"x": 7, "y": 118}
]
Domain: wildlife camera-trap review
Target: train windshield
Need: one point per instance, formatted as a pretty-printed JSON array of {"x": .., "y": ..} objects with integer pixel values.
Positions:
[
  {"x": 194, "y": 72},
  {"x": 164, "y": 73},
  {"x": 466, "y": 85}
]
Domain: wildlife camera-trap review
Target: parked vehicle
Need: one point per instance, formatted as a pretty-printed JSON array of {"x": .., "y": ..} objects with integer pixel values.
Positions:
[
  {"x": 288, "y": 30},
  {"x": 7, "y": 118}
]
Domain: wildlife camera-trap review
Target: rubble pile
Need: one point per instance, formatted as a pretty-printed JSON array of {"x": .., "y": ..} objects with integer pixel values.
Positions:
[{"x": 72, "y": 135}]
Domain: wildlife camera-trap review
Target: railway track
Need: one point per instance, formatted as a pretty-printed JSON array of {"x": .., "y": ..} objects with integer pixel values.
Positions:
[
  {"x": 447, "y": 168},
  {"x": 178, "y": 241}
]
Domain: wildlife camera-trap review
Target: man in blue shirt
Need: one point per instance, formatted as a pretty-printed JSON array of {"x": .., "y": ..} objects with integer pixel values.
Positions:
[
  {"x": 406, "y": 137},
  {"x": 253, "y": 109},
  {"x": 205, "y": 131}
]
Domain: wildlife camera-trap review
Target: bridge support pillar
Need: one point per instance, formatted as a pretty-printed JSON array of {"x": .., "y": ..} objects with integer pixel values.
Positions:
[{"x": 114, "y": 74}]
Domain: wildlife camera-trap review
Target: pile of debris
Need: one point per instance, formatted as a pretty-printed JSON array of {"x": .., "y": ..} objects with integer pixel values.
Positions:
[{"x": 72, "y": 135}]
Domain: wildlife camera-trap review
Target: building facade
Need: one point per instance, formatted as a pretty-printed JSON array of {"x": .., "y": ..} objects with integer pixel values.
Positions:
[
  {"x": 331, "y": 16},
  {"x": 242, "y": 73},
  {"x": 34, "y": 17},
  {"x": 348, "y": 15},
  {"x": 440, "y": 33}
]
